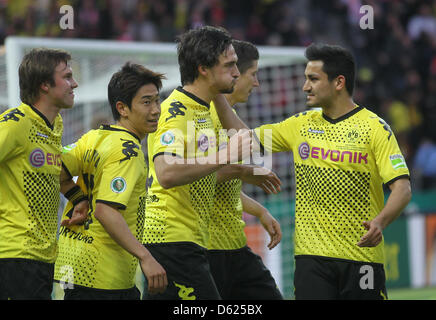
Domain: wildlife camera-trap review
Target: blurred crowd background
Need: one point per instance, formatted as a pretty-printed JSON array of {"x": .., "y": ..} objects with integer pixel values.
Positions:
[{"x": 396, "y": 75}]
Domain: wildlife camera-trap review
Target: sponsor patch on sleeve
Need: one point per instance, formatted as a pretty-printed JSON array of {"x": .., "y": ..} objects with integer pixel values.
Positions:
[
  {"x": 167, "y": 138},
  {"x": 397, "y": 161},
  {"x": 118, "y": 185},
  {"x": 68, "y": 148}
]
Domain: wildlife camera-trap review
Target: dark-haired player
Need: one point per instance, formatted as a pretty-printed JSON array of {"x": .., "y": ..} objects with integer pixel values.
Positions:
[
  {"x": 239, "y": 273},
  {"x": 98, "y": 260},
  {"x": 343, "y": 154},
  {"x": 184, "y": 159}
]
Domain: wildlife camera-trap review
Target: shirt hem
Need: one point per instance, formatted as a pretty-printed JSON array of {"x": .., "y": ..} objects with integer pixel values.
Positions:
[{"x": 337, "y": 259}]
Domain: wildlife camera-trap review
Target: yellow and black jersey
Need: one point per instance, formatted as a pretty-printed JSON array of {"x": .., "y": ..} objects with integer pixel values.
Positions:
[
  {"x": 340, "y": 168},
  {"x": 111, "y": 169},
  {"x": 30, "y": 165},
  {"x": 180, "y": 214},
  {"x": 226, "y": 225}
]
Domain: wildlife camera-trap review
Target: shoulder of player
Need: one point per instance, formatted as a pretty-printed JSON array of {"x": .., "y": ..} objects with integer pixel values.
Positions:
[
  {"x": 379, "y": 125},
  {"x": 181, "y": 105},
  {"x": 372, "y": 118},
  {"x": 174, "y": 109},
  {"x": 109, "y": 141},
  {"x": 305, "y": 115},
  {"x": 16, "y": 119}
]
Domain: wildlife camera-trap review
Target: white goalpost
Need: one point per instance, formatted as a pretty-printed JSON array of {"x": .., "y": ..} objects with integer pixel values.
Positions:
[{"x": 281, "y": 77}]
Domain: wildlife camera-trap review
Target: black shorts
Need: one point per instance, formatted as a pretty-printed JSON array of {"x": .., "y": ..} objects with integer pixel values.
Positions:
[
  {"x": 188, "y": 272},
  {"x": 84, "y": 293},
  {"x": 25, "y": 279},
  {"x": 241, "y": 275},
  {"x": 323, "y": 278}
]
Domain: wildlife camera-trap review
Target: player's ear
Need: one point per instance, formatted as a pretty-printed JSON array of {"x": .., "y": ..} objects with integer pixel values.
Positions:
[
  {"x": 122, "y": 109},
  {"x": 340, "y": 82},
  {"x": 202, "y": 70},
  {"x": 44, "y": 86}
]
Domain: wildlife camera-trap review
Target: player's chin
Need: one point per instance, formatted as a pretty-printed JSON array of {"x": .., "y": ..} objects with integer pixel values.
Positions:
[
  {"x": 311, "y": 102},
  {"x": 67, "y": 104},
  {"x": 227, "y": 90},
  {"x": 151, "y": 126}
]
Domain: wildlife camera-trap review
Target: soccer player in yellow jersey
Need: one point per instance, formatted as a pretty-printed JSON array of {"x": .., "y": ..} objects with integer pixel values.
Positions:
[
  {"x": 238, "y": 272},
  {"x": 343, "y": 154},
  {"x": 183, "y": 160},
  {"x": 30, "y": 166},
  {"x": 98, "y": 260}
]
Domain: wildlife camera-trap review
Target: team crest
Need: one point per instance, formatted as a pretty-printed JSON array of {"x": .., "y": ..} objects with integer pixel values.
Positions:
[
  {"x": 118, "y": 185},
  {"x": 352, "y": 135}
]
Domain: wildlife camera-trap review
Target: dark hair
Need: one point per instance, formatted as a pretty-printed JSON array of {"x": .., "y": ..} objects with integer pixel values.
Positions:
[
  {"x": 247, "y": 54},
  {"x": 200, "y": 47},
  {"x": 38, "y": 67},
  {"x": 337, "y": 61},
  {"x": 125, "y": 83}
]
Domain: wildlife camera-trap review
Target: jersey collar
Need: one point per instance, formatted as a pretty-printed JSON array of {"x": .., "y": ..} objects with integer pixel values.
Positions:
[
  {"x": 43, "y": 117},
  {"x": 118, "y": 128},
  {"x": 342, "y": 118},
  {"x": 193, "y": 97}
]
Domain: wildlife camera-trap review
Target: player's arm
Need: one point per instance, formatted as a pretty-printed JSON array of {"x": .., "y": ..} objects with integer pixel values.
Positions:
[
  {"x": 251, "y": 206},
  {"x": 251, "y": 174},
  {"x": 398, "y": 199},
  {"x": 172, "y": 171},
  {"x": 228, "y": 118},
  {"x": 78, "y": 198},
  {"x": 115, "y": 225}
]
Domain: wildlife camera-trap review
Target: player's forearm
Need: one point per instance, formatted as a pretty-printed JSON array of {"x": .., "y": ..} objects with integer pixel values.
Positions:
[
  {"x": 251, "y": 206},
  {"x": 229, "y": 120},
  {"x": 173, "y": 172},
  {"x": 66, "y": 186},
  {"x": 115, "y": 225},
  {"x": 230, "y": 172},
  {"x": 400, "y": 196},
  {"x": 66, "y": 181}
]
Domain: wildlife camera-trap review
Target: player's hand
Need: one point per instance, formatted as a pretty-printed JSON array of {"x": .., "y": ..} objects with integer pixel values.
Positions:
[
  {"x": 80, "y": 214},
  {"x": 373, "y": 236},
  {"x": 155, "y": 274},
  {"x": 239, "y": 146},
  {"x": 272, "y": 227},
  {"x": 263, "y": 178}
]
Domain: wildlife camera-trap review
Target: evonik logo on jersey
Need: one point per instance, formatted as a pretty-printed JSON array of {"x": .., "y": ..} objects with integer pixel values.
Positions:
[
  {"x": 305, "y": 152},
  {"x": 38, "y": 158}
]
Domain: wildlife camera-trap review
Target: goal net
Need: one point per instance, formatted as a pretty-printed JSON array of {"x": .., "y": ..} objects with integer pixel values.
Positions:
[{"x": 281, "y": 77}]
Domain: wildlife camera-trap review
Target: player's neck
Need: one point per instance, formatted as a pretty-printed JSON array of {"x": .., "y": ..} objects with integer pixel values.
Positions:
[
  {"x": 339, "y": 108},
  {"x": 231, "y": 100},
  {"x": 48, "y": 110},
  {"x": 129, "y": 127},
  {"x": 200, "y": 90}
]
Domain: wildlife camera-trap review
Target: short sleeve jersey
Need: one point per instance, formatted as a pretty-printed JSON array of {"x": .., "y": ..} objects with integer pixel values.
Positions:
[
  {"x": 340, "y": 168},
  {"x": 111, "y": 169},
  {"x": 181, "y": 213},
  {"x": 30, "y": 165},
  {"x": 226, "y": 226}
]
